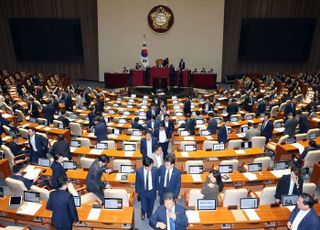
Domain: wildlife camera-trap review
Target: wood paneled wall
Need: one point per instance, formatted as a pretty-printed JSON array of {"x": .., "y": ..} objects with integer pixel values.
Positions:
[
  {"x": 85, "y": 10},
  {"x": 236, "y": 10}
]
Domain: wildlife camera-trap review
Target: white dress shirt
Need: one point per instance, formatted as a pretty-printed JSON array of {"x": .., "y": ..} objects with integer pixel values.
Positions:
[
  {"x": 149, "y": 148},
  {"x": 299, "y": 217},
  {"x": 165, "y": 176},
  {"x": 159, "y": 160},
  {"x": 162, "y": 136},
  {"x": 291, "y": 187},
  {"x": 145, "y": 173},
  {"x": 33, "y": 143},
  {"x": 168, "y": 222},
  {"x": 166, "y": 124}
]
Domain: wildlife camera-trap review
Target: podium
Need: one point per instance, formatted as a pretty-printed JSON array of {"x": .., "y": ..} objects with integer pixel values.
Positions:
[{"x": 159, "y": 73}]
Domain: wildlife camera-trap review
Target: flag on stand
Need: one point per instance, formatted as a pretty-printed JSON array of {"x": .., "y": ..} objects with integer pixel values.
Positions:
[{"x": 144, "y": 59}]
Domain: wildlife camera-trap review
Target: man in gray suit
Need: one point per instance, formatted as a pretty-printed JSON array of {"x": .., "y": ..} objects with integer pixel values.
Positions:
[
  {"x": 252, "y": 132},
  {"x": 93, "y": 180},
  {"x": 290, "y": 125},
  {"x": 157, "y": 156}
]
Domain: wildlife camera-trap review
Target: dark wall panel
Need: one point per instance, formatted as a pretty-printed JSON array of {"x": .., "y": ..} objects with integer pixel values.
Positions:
[
  {"x": 236, "y": 10},
  {"x": 86, "y": 10}
]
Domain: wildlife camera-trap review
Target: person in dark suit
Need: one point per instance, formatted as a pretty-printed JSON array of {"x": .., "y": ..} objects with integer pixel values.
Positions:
[
  {"x": 146, "y": 186},
  {"x": 223, "y": 133},
  {"x": 98, "y": 105},
  {"x": 262, "y": 107},
  {"x": 290, "y": 126},
  {"x": 289, "y": 184},
  {"x": 19, "y": 88},
  {"x": 232, "y": 108},
  {"x": 135, "y": 124},
  {"x": 61, "y": 146},
  {"x": 39, "y": 94},
  {"x": 303, "y": 122},
  {"x": 18, "y": 170},
  {"x": 93, "y": 179},
  {"x": 213, "y": 124},
  {"x": 189, "y": 125},
  {"x": 267, "y": 127},
  {"x": 151, "y": 112},
  {"x": 61, "y": 203},
  {"x": 91, "y": 116},
  {"x": 68, "y": 102},
  {"x": 16, "y": 149},
  {"x": 169, "y": 215},
  {"x": 168, "y": 123},
  {"x": 57, "y": 170},
  {"x": 249, "y": 102},
  {"x": 170, "y": 178},
  {"x": 312, "y": 146},
  {"x": 152, "y": 124},
  {"x": 163, "y": 136},
  {"x": 100, "y": 130},
  {"x": 304, "y": 217},
  {"x": 182, "y": 65},
  {"x": 33, "y": 109},
  {"x": 87, "y": 98},
  {"x": 207, "y": 106},
  {"x": 187, "y": 107},
  {"x": 48, "y": 112},
  {"x": 63, "y": 119},
  {"x": 38, "y": 145},
  {"x": 290, "y": 107},
  {"x": 148, "y": 144}
]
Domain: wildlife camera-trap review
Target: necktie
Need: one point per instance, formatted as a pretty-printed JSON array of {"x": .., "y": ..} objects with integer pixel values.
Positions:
[
  {"x": 167, "y": 179},
  {"x": 147, "y": 181},
  {"x": 172, "y": 224}
]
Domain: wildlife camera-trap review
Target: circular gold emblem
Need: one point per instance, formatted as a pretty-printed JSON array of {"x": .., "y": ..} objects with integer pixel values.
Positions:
[{"x": 160, "y": 18}]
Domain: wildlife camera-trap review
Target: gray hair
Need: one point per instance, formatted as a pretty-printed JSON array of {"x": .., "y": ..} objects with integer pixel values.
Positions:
[{"x": 168, "y": 196}]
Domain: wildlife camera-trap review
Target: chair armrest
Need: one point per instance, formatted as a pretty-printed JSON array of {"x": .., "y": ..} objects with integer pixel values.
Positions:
[
  {"x": 131, "y": 200},
  {"x": 252, "y": 193},
  {"x": 81, "y": 189},
  {"x": 186, "y": 200},
  {"x": 220, "y": 198}
]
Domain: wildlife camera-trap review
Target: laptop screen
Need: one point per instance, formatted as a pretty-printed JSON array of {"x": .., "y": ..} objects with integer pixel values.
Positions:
[
  {"x": 77, "y": 201},
  {"x": 282, "y": 165},
  {"x": 102, "y": 146},
  {"x": 199, "y": 122},
  {"x": 75, "y": 143},
  {"x": 234, "y": 119},
  {"x": 190, "y": 148},
  {"x": 31, "y": 196},
  {"x": 291, "y": 140},
  {"x": 206, "y": 204},
  {"x": 288, "y": 200},
  {"x": 246, "y": 145},
  {"x": 179, "y": 114},
  {"x": 195, "y": 169},
  {"x": 249, "y": 117},
  {"x": 70, "y": 165},
  {"x": 184, "y": 133},
  {"x": 112, "y": 203},
  {"x": 249, "y": 203},
  {"x": 33, "y": 120},
  {"x": 254, "y": 167},
  {"x": 312, "y": 136},
  {"x": 205, "y": 133},
  {"x": 136, "y": 133},
  {"x": 129, "y": 147},
  {"x": 60, "y": 126},
  {"x": 225, "y": 168},
  {"x": 122, "y": 121},
  {"x": 218, "y": 147},
  {"x": 15, "y": 200},
  {"x": 127, "y": 168},
  {"x": 44, "y": 162}
]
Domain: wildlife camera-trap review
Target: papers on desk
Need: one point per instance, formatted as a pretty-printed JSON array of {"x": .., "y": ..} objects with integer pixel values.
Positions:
[
  {"x": 235, "y": 123},
  {"x": 29, "y": 208},
  {"x": 31, "y": 173},
  {"x": 240, "y": 135},
  {"x": 209, "y": 137},
  {"x": 250, "y": 176},
  {"x": 120, "y": 125},
  {"x": 96, "y": 151},
  {"x": 196, "y": 178},
  {"x": 6, "y": 138},
  {"x": 110, "y": 123},
  {"x": 135, "y": 138},
  {"x": 251, "y": 214},
  {"x": 238, "y": 215},
  {"x": 47, "y": 129},
  {"x": 316, "y": 119},
  {"x": 222, "y": 98},
  {"x": 6, "y": 115},
  {"x": 291, "y": 207},
  {"x": 72, "y": 149},
  {"x": 112, "y": 136},
  {"x": 184, "y": 154},
  {"x": 39, "y": 126},
  {"x": 193, "y": 216},
  {"x": 298, "y": 146},
  {"x": 118, "y": 176},
  {"x": 280, "y": 173},
  {"x": 188, "y": 138},
  {"x": 240, "y": 151},
  {"x": 91, "y": 135},
  {"x": 280, "y": 130},
  {"x": 94, "y": 214},
  {"x": 128, "y": 153}
]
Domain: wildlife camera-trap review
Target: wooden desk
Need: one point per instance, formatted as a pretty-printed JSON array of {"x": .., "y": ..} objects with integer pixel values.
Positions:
[
  {"x": 315, "y": 177},
  {"x": 5, "y": 170},
  {"x": 108, "y": 219}
]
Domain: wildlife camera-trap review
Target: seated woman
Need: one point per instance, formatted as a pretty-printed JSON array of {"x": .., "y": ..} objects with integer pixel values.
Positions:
[{"x": 213, "y": 186}]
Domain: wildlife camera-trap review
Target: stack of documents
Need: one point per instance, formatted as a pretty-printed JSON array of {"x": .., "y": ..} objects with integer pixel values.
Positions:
[
  {"x": 193, "y": 216},
  {"x": 251, "y": 214},
  {"x": 29, "y": 208},
  {"x": 94, "y": 214},
  {"x": 250, "y": 176}
]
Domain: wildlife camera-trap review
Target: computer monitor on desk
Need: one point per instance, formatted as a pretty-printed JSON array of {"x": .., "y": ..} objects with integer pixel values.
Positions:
[
  {"x": 113, "y": 203},
  {"x": 289, "y": 200},
  {"x": 190, "y": 148},
  {"x": 102, "y": 146},
  {"x": 129, "y": 147},
  {"x": 31, "y": 196},
  {"x": 225, "y": 169},
  {"x": 77, "y": 201},
  {"x": 246, "y": 145},
  {"x": 69, "y": 165},
  {"x": 195, "y": 169},
  {"x": 249, "y": 203},
  {"x": 44, "y": 162},
  {"x": 254, "y": 167},
  {"x": 206, "y": 205},
  {"x": 218, "y": 147},
  {"x": 282, "y": 165}
]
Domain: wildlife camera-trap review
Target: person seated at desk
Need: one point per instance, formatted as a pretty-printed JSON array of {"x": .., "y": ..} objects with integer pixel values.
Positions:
[
  {"x": 138, "y": 66},
  {"x": 16, "y": 149},
  {"x": 16, "y": 106},
  {"x": 213, "y": 186},
  {"x": 61, "y": 146},
  {"x": 61, "y": 203},
  {"x": 63, "y": 119},
  {"x": 148, "y": 144},
  {"x": 232, "y": 108},
  {"x": 223, "y": 133},
  {"x": 290, "y": 126},
  {"x": 57, "y": 170},
  {"x": 125, "y": 70},
  {"x": 304, "y": 217},
  {"x": 251, "y": 132},
  {"x": 291, "y": 184},
  {"x": 152, "y": 124},
  {"x": 157, "y": 156},
  {"x": 195, "y": 71},
  {"x": 207, "y": 106},
  {"x": 100, "y": 129},
  {"x": 169, "y": 215},
  {"x": 198, "y": 115},
  {"x": 203, "y": 70},
  {"x": 312, "y": 146},
  {"x": 93, "y": 179},
  {"x": 146, "y": 186},
  {"x": 189, "y": 125},
  {"x": 135, "y": 124},
  {"x": 213, "y": 124}
]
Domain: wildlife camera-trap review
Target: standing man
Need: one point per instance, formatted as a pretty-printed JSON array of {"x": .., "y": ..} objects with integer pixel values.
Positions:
[
  {"x": 223, "y": 133},
  {"x": 100, "y": 129},
  {"x": 148, "y": 144},
  {"x": 251, "y": 132},
  {"x": 157, "y": 157},
  {"x": 38, "y": 145},
  {"x": 170, "y": 216},
  {"x": 163, "y": 135},
  {"x": 249, "y": 102},
  {"x": 61, "y": 203},
  {"x": 48, "y": 112},
  {"x": 290, "y": 107},
  {"x": 93, "y": 180},
  {"x": 62, "y": 147},
  {"x": 33, "y": 109},
  {"x": 146, "y": 186},
  {"x": 57, "y": 170},
  {"x": 170, "y": 178},
  {"x": 68, "y": 102},
  {"x": 213, "y": 124},
  {"x": 267, "y": 127},
  {"x": 168, "y": 123},
  {"x": 290, "y": 126},
  {"x": 207, "y": 106}
]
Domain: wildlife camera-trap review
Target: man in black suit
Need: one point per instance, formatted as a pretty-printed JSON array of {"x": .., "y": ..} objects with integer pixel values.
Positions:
[
  {"x": 61, "y": 203},
  {"x": 38, "y": 145},
  {"x": 135, "y": 124},
  {"x": 223, "y": 134},
  {"x": 68, "y": 102},
  {"x": 48, "y": 112},
  {"x": 16, "y": 149},
  {"x": 290, "y": 107},
  {"x": 87, "y": 98},
  {"x": 289, "y": 184},
  {"x": 57, "y": 170},
  {"x": 187, "y": 107},
  {"x": 249, "y": 102},
  {"x": 18, "y": 170},
  {"x": 168, "y": 123},
  {"x": 151, "y": 112},
  {"x": 33, "y": 109},
  {"x": 262, "y": 107},
  {"x": 232, "y": 108},
  {"x": 93, "y": 180},
  {"x": 290, "y": 126},
  {"x": 99, "y": 105},
  {"x": 163, "y": 136},
  {"x": 62, "y": 147},
  {"x": 303, "y": 122},
  {"x": 267, "y": 127},
  {"x": 100, "y": 129},
  {"x": 207, "y": 106},
  {"x": 148, "y": 144},
  {"x": 213, "y": 124},
  {"x": 19, "y": 88},
  {"x": 63, "y": 119},
  {"x": 182, "y": 64},
  {"x": 189, "y": 125}
]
